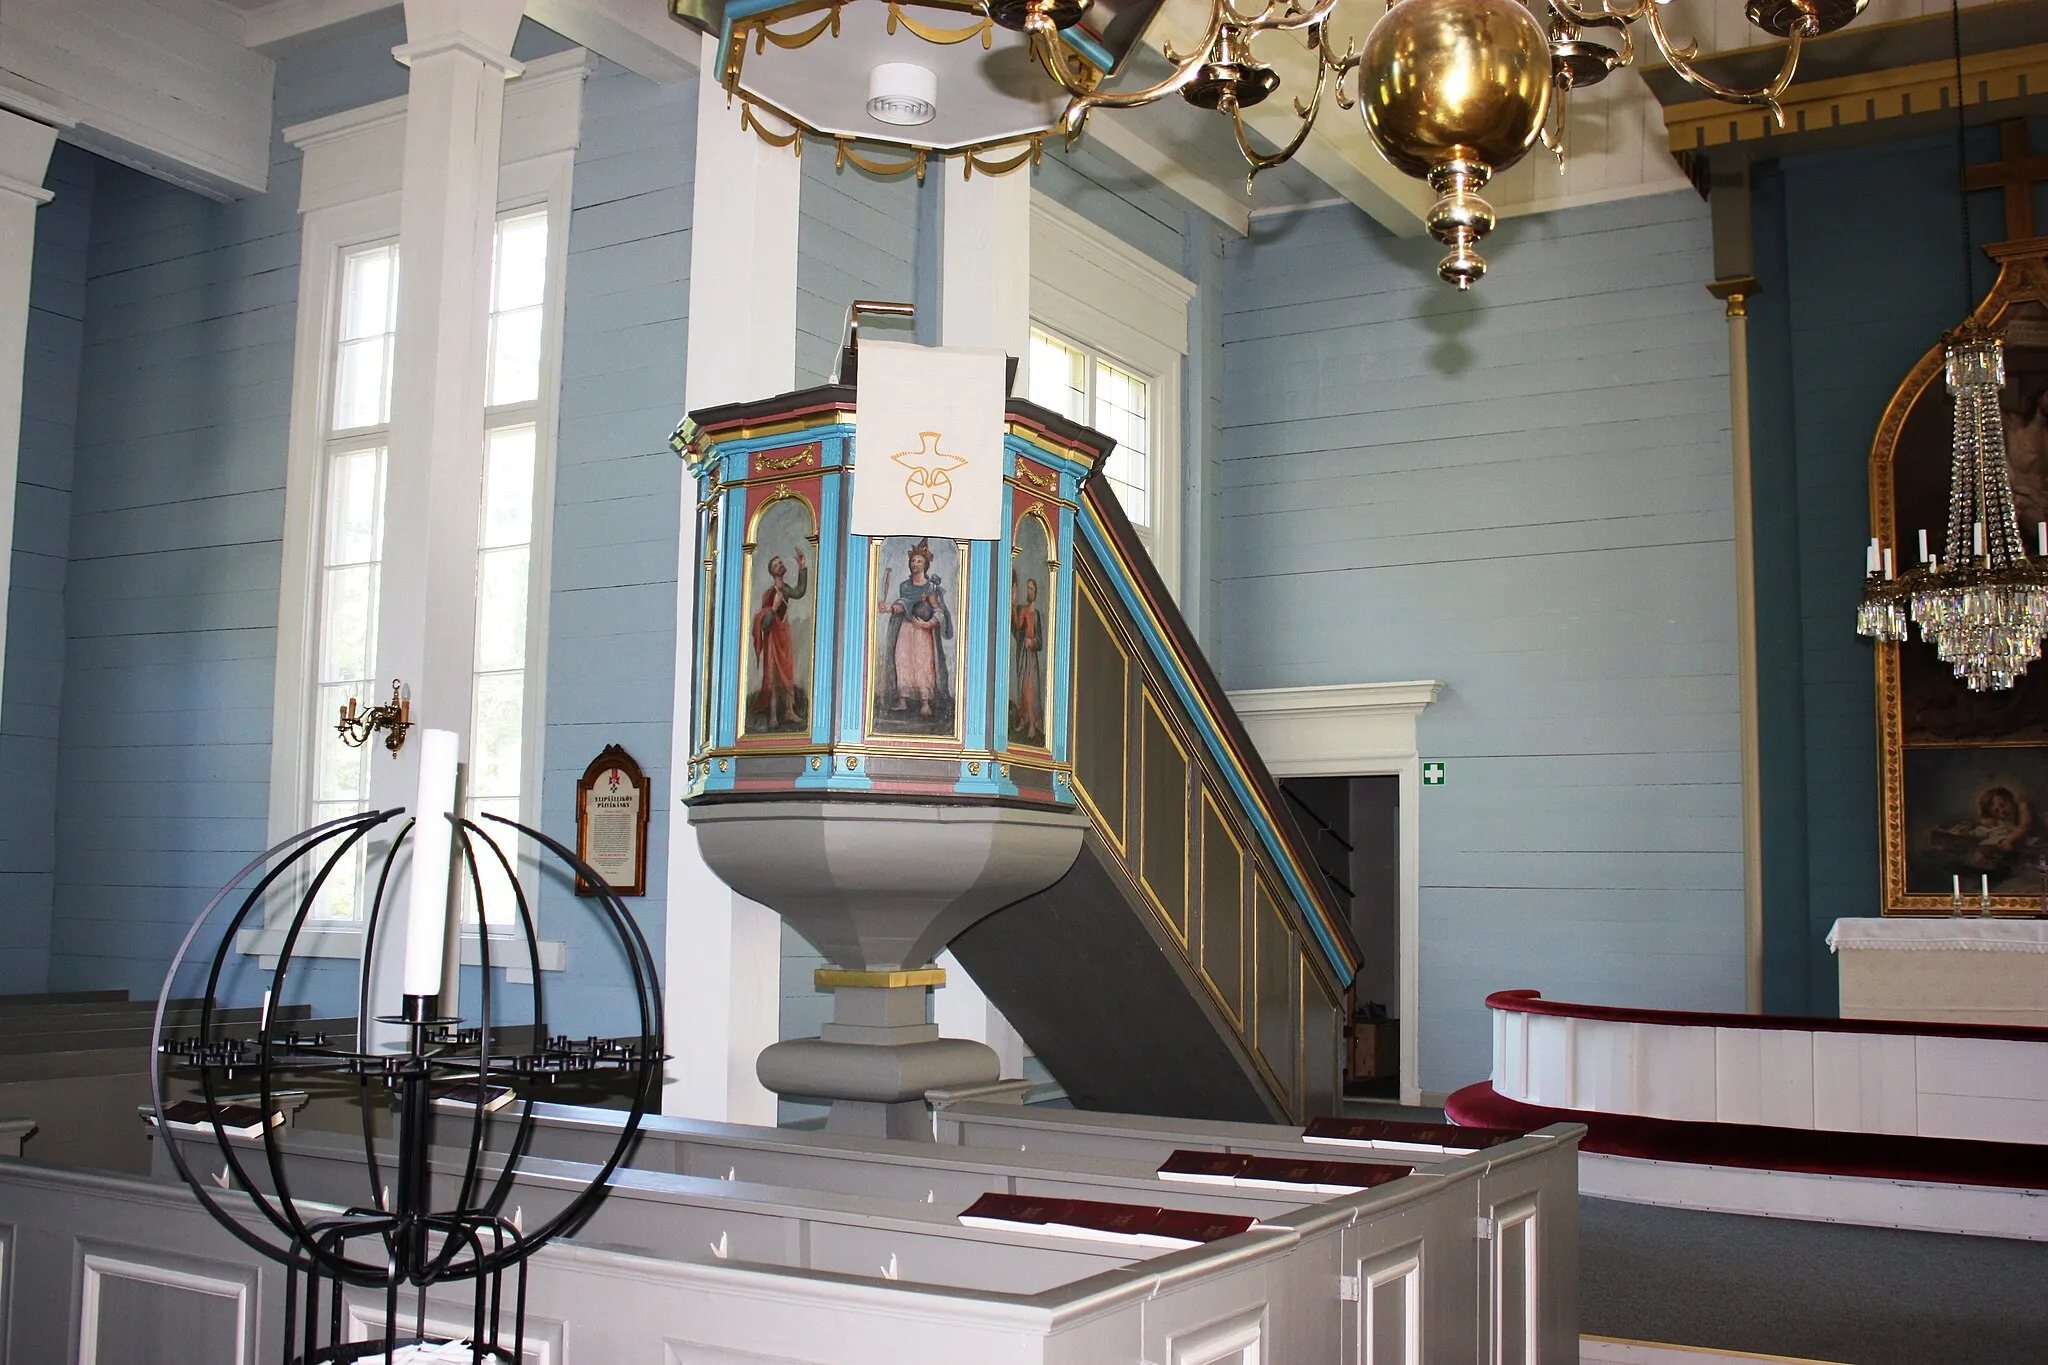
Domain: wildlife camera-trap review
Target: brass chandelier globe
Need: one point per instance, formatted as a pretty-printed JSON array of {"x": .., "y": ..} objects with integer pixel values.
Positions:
[{"x": 1451, "y": 91}]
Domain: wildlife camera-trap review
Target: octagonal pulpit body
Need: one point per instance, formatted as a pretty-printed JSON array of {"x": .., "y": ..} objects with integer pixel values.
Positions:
[{"x": 897, "y": 667}]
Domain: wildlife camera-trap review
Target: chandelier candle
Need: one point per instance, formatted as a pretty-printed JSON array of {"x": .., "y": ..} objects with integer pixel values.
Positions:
[{"x": 426, "y": 921}]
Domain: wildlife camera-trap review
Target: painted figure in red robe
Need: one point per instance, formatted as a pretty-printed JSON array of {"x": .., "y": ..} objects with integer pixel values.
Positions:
[
  {"x": 1027, "y": 655},
  {"x": 774, "y": 657}
]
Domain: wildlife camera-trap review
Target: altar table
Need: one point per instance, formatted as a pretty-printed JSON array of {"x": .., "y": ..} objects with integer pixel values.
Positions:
[{"x": 1954, "y": 969}]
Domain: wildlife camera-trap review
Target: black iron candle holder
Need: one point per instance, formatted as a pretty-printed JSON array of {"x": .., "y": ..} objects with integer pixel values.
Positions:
[{"x": 397, "y": 1243}]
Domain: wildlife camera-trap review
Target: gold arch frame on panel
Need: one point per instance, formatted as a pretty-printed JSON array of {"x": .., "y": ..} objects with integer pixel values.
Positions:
[
  {"x": 2022, "y": 279},
  {"x": 743, "y": 675}
]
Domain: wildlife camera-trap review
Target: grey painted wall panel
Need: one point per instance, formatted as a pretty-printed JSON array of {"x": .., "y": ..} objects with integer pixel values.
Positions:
[
  {"x": 1523, "y": 492},
  {"x": 617, "y": 506},
  {"x": 171, "y": 590},
  {"x": 856, "y": 239},
  {"x": 29, "y": 710}
]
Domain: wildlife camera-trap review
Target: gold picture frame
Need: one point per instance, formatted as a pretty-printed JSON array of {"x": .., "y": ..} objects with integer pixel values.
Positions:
[{"x": 1963, "y": 777}]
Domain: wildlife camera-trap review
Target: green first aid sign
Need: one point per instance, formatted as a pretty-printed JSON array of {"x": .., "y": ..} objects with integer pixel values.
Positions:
[{"x": 1433, "y": 773}]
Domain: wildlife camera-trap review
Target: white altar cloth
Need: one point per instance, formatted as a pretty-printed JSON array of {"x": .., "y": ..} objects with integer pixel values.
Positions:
[{"x": 1952, "y": 969}]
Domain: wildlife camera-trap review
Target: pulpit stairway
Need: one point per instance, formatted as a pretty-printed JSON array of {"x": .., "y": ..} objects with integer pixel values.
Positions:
[{"x": 1013, "y": 749}]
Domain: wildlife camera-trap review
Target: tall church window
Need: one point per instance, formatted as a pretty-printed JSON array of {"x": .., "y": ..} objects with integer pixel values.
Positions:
[
  {"x": 1086, "y": 386},
  {"x": 1109, "y": 344},
  {"x": 499, "y": 710},
  {"x": 357, "y": 428}
]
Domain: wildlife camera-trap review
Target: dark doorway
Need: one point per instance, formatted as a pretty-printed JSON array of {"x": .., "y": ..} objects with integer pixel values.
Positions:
[{"x": 1354, "y": 826}]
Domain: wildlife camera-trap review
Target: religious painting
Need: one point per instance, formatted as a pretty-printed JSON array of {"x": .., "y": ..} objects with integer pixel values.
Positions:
[
  {"x": 781, "y": 620},
  {"x": 1974, "y": 820},
  {"x": 1965, "y": 774},
  {"x": 913, "y": 666},
  {"x": 1030, "y": 599}
]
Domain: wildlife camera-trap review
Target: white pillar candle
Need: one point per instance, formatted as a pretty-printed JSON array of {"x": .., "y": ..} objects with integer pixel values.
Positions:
[
  {"x": 1957, "y": 894},
  {"x": 2042, "y": 527},
  {"x": 1887, "y": 562},
  {"x": 1870, "y": 559},
  {"x": 426, "y": 921},
  {"x": 1923, "y": 541},
  {"x": 1977, "y": 538},
  {"x": 1984, "y": 895}
]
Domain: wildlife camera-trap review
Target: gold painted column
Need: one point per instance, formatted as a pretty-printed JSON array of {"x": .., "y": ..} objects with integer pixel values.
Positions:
[{"x": 1736, "y": 291}]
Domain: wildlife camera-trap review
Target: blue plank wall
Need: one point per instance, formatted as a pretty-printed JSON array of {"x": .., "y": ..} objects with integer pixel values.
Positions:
[
  {"x": 41, "y": 546},
  {"x": 617, "y": 508},
  {"x": 177, "y": 511},
  {"x": 1525, "y": 493},
  {"x": 1860, "y": 259}
]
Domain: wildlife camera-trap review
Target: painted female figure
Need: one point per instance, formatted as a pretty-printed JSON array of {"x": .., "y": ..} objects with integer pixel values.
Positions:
[
  {"x": 919, "y": 626},
  {"x": 774, "y": 656},
  {"x": 1027, "y": 654}
]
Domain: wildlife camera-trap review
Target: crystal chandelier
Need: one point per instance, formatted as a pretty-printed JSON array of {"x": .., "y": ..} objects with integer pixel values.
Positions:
[
  {"x": 1981, "y": 603},
  {"x": 1451, "y": 91}
]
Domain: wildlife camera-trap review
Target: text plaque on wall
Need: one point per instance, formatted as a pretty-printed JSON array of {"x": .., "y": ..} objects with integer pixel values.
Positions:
[{"x": 611, "y": 822}]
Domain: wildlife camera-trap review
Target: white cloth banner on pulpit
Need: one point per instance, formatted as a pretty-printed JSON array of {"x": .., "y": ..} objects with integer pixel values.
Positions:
[{"x": 928, "y": 442}]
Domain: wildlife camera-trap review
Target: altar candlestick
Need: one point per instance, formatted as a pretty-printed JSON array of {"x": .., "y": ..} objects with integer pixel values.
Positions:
[
  {"x": 1923, "y": 541},
  {"x": 1955, "y": 897},
  {"x": 1984, "y": 895},
  {"x": 426, "y": 922}
]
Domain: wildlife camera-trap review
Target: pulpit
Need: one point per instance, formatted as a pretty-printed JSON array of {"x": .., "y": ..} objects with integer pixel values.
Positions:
[
  {"x": 881, "y": 746},
  {"x": 1958, "y": 970}
]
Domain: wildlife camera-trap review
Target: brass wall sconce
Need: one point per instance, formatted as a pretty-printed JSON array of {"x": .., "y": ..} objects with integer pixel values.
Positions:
[{"x": 394, "y": 718}]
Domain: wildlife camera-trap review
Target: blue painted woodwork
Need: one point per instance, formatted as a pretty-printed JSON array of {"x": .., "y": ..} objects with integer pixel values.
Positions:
[
  {"x": 617, "y": 494},
  {"x": 170, "y": 595},
  {"x": 41, "y": 551},
  {"x": 1523, "y": 492},
  {"x": 1837, "y": 325},
  {"x": 748, "y": 461}
]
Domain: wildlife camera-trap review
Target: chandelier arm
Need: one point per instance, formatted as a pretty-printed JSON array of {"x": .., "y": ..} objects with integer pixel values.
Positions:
[
  {"x": 1085, "y": 100},
  {"x": 1605, "y": 17},
  {"x": 1265, "y": 161},
  {"x": 1282, "y": 16},
  {"x": 1767, "y": 95}
]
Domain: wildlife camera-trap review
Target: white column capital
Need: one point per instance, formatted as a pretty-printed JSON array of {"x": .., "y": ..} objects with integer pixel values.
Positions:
[
  {"x": 25, "y": 146},
  {"x": 408, "y": 53},
  {"x": 482, "y": 28}
]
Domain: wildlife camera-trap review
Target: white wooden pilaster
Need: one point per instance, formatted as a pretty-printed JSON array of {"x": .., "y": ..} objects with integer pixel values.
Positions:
[
  {"x": 459, "y": 52},
  {"x": 24, "y": 159},
  {"x": 985, "y": 263},
  {"x": 984, "y": 301},
  {"x": 724, "y": 952}
]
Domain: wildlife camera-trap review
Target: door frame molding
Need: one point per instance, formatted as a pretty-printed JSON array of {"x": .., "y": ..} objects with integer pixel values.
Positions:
[{"x": 1359, "y": 730}]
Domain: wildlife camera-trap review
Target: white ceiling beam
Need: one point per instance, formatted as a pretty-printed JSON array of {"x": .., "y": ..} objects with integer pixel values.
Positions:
[
  {"x": 636, "y": 34},
  {"x": 165, "y": 86},
  {"x": 285, "y": 26},
  {"x": 1119, "y": 134}
]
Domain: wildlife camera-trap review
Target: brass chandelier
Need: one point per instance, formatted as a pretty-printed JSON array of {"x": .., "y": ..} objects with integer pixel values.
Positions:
[{"x": 1451, "y": 91}]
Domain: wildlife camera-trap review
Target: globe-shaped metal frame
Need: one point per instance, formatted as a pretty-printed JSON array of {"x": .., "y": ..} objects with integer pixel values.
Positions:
[{"x": 412, "y": 1245}]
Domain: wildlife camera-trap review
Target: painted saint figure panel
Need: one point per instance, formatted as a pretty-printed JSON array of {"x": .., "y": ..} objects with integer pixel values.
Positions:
[
  {"x": 781, "y": 629},
  {"x": 1030, "y": 594},
  {"x": 914, "y": 640}
]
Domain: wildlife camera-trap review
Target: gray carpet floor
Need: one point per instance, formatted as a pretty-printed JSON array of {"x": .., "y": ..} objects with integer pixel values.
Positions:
[{"x": 1820, "y": 1291}]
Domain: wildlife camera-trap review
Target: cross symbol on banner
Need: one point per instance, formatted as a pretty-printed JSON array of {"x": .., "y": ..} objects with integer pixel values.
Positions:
[
  {"x": 1432, "y": 774},
  {"x": 928, "y": 488}
]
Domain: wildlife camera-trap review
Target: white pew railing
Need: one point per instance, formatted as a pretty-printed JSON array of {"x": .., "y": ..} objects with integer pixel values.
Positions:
[{"x": 1851, "y": 1075}]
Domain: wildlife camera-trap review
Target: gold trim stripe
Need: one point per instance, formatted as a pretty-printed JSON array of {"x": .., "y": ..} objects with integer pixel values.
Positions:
[
  {"x": 833, "y": 978},
  {"x": 1863, "y": 98}
]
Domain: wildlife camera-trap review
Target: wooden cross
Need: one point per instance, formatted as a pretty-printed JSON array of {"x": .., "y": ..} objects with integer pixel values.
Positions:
[{"x": 2015, "y": 172}]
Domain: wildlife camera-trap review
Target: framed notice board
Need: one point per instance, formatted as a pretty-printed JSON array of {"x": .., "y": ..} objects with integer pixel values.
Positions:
[{"x": 611, "y": 822}]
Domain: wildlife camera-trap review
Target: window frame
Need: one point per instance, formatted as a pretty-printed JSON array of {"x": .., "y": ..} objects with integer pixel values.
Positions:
[
  {"x": 349, "y": 199},
  {"x": 1099, "y": 293}
]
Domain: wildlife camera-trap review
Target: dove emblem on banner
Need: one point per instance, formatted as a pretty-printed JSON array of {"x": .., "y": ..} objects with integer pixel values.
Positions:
[
  {"x": 930, "y": 485},
  {"x": 928, "y": 435}
]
